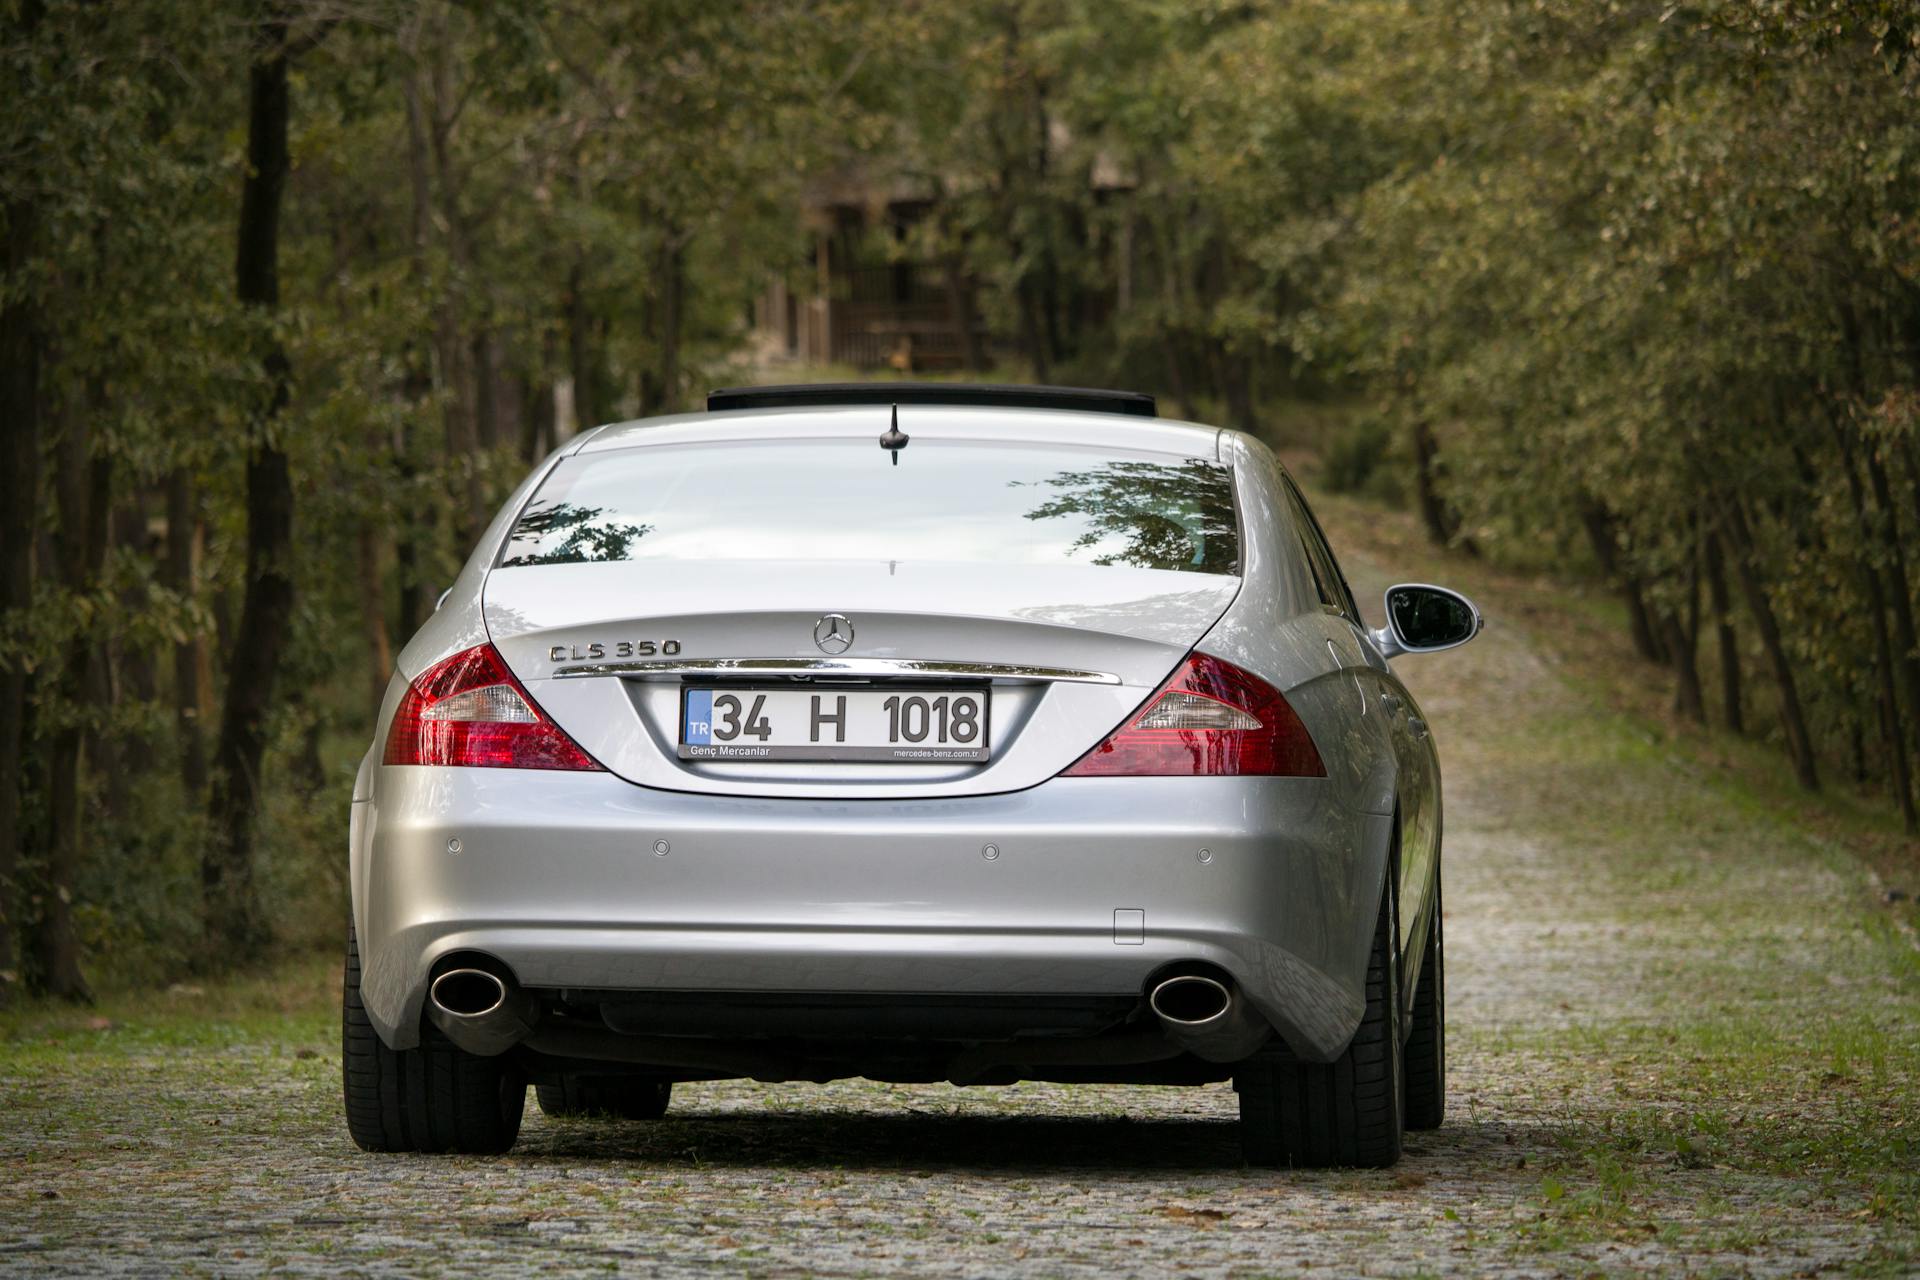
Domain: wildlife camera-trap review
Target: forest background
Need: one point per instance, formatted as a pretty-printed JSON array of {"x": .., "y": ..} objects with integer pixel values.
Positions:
[{"x": 1625, "y": 293}]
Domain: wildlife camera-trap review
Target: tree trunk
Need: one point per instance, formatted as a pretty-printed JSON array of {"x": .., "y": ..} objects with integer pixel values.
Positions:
[
  {"x": 417, "y": 522},
  {"x": 235, "y": 931},
  {"x": 960, "y": 313},
  {"x": 1443, "y": 526},
  {"x": 457, "y": 370},
  {"x": 486, "y": 407},
  {"x": 1176, "y": 376},
  {"x": 1891, "y": 726},
  {"x": 1684, "y": 641},
  {"x": 1164, "y": 249},
  {"x": 1033, "y": 332},
  {"x": 373, "y": 618},
  {"x": 86, "y": 497},
  {"x": 536, "y": 414},
  {"x": 1598, "y": 522},
  {"x": 456, "y": 409},
  {"x": 673, "y": 281},
  {"x": 1239, "y": 387},
  {"x": 22, "y": 340},
  {"x": 125, "y": 672},
  {"x": 1433, "y": 514},
  {"x": 648, "y": 391},
  {"x": 1729, "y": 642},
  {"x": 108, "y": 750},
  {"x": 182, "y": 535},
  {"x": 135, "y": 677},
  {"x": 1032, "y": 325},
  {"x": 411, "y": 598},
  {"x": 1047, "y": 293},
  {"x": 1899, "y": 586},
  {"x": 1910, "y": 465},
  {"x": 1687, "y": 699},
  {"x": 586, "y": 407},
  {"x": 1741, "y": 552}
]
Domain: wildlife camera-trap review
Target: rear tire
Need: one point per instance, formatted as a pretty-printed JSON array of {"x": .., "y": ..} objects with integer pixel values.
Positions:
[
  {"x": 625, "y": 1099},
  {"x": 1427, "y": 1044},
  {"x": 1346, "y": 1112},
  {"x": 437, "y": 1097}
]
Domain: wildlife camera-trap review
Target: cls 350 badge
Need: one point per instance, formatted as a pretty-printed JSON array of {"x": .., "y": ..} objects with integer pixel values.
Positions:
[{"x": 617, "y": 649}]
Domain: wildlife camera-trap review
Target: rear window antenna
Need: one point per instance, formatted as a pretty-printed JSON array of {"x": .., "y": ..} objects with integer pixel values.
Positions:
[{"x": 893, "y": 439}]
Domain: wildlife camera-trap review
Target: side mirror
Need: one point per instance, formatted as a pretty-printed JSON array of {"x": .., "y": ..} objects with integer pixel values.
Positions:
[{"x": 1426, "y": 619}]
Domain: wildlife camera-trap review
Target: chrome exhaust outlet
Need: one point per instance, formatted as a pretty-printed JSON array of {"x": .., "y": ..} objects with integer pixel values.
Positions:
[
  {"x": 1207, "y": 1017},
  {"x": 480, "y": 1011}
]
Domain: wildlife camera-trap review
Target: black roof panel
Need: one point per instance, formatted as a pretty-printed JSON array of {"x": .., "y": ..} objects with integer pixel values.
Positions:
[{"x": 984, "y": 394}]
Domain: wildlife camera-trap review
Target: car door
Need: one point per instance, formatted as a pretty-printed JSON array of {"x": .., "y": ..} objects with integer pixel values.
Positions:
[{"x": 1416, "y": 770}]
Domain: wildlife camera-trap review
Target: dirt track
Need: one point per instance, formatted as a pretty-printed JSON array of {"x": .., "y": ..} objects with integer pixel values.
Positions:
[{"x": 1682, "y": 1040}]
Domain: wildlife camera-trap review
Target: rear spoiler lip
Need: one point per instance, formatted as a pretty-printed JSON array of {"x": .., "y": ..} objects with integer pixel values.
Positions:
[{"x": 984, "y": 395}]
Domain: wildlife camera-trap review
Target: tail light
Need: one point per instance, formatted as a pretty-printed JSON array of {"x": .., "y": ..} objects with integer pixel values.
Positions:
[
  {"x": 469, "y": 710},
  {"x": 1209, "y": 719}
]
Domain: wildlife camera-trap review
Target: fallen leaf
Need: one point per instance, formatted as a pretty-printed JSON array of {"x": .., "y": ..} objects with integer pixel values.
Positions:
[{"x": 1206, "y": 1215}]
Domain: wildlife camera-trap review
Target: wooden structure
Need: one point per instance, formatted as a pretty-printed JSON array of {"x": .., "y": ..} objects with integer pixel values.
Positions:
[{"x": 874, "y": 301}]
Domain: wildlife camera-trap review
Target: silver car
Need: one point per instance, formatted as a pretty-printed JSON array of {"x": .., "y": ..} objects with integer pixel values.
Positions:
[{"x": 924, "y": 733}]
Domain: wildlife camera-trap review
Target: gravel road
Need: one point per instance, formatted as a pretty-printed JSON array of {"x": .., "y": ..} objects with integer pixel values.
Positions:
[{"x": 1684, "y": 1041}]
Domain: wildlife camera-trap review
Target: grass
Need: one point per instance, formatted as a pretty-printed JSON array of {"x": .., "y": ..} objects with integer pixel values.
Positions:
[{"x": 290, "y": 1008}]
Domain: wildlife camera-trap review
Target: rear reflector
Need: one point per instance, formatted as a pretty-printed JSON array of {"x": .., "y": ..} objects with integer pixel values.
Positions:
[
  {"x": 1209, "y": 719},
  {"x": 469, "y": 710}
]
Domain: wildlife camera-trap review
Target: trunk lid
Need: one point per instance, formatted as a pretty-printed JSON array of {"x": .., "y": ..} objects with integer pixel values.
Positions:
[{"x": 1062, "y": 652}]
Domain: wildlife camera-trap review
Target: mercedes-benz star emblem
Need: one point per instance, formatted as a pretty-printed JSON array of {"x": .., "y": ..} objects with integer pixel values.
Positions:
[{"x": 833, "y": 634}]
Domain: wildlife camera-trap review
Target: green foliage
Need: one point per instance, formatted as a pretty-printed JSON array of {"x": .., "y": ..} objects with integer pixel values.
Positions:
[
  {"x": 1637, "y": 276},
  {"x": 490, "y": 204},
  {"x": 1355, "y": 460}
]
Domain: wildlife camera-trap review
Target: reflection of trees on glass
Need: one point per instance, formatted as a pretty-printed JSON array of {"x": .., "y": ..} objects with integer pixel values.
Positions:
[
  {"x": 1427, "y": 618},
  {"x": 565, "y": 533},
  {"x": 1172, "y": 515}
]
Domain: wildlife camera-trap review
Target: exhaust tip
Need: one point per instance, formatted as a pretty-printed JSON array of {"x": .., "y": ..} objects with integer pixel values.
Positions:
[
  {"x": 467, "y": 993},
  {"x": 1190, "y": 1000}
]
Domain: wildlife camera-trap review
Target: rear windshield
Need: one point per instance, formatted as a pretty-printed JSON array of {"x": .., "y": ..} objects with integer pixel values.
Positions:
[{"x": 844, "y": 500}]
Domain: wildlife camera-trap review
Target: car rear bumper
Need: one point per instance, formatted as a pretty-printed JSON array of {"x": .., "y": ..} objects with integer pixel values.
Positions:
[{"x": 1075, "y": 887}]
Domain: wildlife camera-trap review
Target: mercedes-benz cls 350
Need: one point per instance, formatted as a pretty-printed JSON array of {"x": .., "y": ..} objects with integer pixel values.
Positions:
[{"x": 917, "y": 732}]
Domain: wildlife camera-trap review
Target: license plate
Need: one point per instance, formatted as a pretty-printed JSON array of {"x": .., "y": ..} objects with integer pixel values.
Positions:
[{"x": 891, "y": 726}]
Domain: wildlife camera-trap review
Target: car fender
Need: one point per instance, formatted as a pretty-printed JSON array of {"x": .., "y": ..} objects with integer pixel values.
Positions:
[{"x": 1277, "y": 629}]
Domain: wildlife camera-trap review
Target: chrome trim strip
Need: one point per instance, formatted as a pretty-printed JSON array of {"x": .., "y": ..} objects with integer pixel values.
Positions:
[{"x": 933, "y": 670}]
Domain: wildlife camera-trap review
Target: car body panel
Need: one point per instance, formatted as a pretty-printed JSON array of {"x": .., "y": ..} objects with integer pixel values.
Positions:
[
  {"x": 1402, "y": 765},
  {"x": 562, "y": 878}
]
